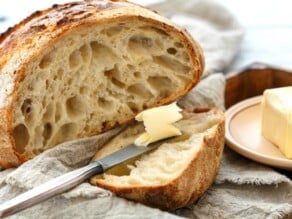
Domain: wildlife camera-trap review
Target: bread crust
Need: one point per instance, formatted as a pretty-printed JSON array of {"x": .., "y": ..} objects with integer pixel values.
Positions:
[
  {"x": 24, "y": 42},
  {"x": 193, "y": 181}
]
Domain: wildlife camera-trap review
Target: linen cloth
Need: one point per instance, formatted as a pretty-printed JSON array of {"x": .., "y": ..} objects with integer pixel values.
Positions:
[{"x": 242, "y": 189}]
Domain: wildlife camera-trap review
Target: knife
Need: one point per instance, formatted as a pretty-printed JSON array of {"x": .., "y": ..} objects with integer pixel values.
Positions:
[{"x": 71, "y": 179}]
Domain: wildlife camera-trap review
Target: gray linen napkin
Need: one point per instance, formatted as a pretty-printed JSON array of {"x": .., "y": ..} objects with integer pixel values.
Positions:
[{"x": 243, "y": 188}]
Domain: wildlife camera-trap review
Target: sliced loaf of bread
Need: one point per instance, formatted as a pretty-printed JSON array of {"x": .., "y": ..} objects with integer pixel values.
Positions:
[
  {"x": 178, "y": 172},
  {"x": 79, "y": 69}
]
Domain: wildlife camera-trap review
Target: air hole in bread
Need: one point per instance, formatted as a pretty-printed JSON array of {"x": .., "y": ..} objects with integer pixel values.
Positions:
[
  {"x": 46, "y": 61},
  {"x": 75, "y": 106},
  {"x": 178, "y": 45},
  {"x": 105, "y": 104},
  {"x": 114, "y": 76},
  {"x": 86, "y": 53},
  {"x": 145, "y": 106},
  {"x": 118, "y": 83},
  {"x": 21, "y": 137},
  {"x": 140, "y": 44},
  {"x": 113, "y": 73},
  {"x": 58, "y": 113},
  {"x": 102, "y": 54},
  {"x": 47, "y": 84},
  {"x": 70, "y": 81},
  {"x": 35, "y": 151},
  {"x": 171, "y": 51},
  {"x": 170, "y": 63},
  {"x": 66, "y": 132},
  {"x": 130, "y": 67},
  {"x": 158, "y": 82},
  {"x": 49, "y": 113},
  {"x": 75, "y": 59},
  {"x": 159, "y": 31},
  {"x": 137, "y": 74},
  {"x": 26, "y": 107},
  {"x": 55, "y": 77},
  {"x": 134, "y": 107},
  {"x": 112, "y": 31},
  {"x": 84, "y": 90},
  {"x": 140, "y": 90},
  {"x": 47, "y": 132}
]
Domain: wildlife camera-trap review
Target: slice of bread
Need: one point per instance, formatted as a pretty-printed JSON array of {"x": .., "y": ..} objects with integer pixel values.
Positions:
[
  {"x": 79, "y": 69},
  {"x": 175, "y": 174}
]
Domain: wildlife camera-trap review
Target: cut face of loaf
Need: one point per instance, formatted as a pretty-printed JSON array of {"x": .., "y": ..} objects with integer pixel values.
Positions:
[
  {"x": 78, "y": 69},
  {"x": 175, "y": 174}
]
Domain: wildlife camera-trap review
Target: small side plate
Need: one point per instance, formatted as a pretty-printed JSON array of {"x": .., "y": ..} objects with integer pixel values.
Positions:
[{"x": 243, "y": 134}]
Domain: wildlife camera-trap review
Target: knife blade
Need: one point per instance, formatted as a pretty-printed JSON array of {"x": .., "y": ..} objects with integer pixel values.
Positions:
[{"x": 71, "y": 179}]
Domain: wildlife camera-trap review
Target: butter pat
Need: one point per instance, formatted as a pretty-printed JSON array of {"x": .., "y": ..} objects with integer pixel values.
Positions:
[
  {"x": 158, "y": 123},
  {"x": 276, "y": 120}
]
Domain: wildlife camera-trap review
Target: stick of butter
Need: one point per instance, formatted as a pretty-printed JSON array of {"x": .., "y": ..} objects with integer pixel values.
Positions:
[
  {"x": 276, "y": 121},
  {"x": 158, "y": 123}
]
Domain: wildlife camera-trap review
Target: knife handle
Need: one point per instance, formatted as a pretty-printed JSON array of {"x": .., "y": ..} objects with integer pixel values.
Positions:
[{"x": 50, "y": 189}]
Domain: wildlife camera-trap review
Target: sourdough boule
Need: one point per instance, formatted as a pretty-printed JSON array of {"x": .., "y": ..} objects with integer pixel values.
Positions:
[{"x": 79, "y": 69}]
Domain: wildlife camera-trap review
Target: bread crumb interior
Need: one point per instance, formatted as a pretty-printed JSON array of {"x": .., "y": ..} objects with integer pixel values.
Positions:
[{"x": 93, "y": 78}]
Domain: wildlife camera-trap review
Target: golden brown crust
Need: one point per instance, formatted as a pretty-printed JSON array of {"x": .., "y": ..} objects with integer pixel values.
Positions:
[
  {"x": 24, "y": 42},
  {"x": 46, "y": 22},
  {"x": 196, "y": 178}
]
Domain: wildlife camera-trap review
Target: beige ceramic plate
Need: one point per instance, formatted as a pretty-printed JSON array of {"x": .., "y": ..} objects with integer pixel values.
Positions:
[{"x": 243, "y": 134}]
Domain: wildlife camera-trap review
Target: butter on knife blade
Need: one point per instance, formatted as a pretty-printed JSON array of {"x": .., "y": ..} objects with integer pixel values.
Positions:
[{"x": 158, "y": 123}]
